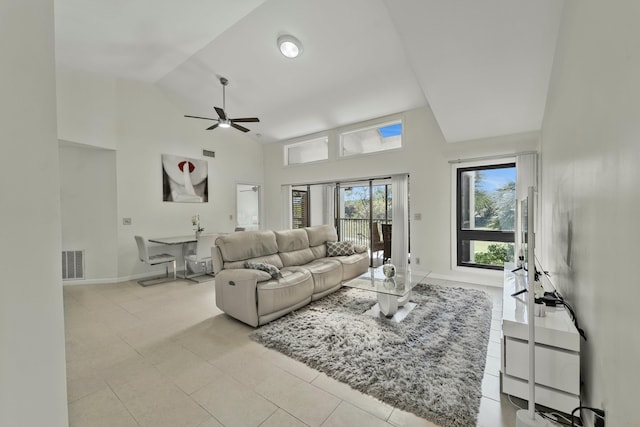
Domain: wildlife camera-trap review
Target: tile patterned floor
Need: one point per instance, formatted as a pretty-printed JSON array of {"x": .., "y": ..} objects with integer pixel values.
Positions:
[{"x": 166, "y": 356}]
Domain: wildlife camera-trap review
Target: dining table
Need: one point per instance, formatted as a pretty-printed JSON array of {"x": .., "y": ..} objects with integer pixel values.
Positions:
[{"x": 184, "y": 241}]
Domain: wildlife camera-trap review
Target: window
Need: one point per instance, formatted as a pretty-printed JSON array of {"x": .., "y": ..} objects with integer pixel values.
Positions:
[
  {"x": 486, "y": 199},
  {"x": 383, "y": 137},
  {"x": 308, "y": 151},
  {"x": 300, "y": 209}
]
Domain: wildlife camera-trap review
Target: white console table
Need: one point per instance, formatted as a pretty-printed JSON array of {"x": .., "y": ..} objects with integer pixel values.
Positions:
[{"x": 557, "y": 351}]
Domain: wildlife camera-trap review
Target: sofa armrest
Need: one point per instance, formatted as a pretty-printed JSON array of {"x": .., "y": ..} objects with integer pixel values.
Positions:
[
  {"x": 216, "y": 260},
  {"x": 243, "y": 274},
  {"x": 360, "y": 249},
  {"x": 236, "y": 293}
]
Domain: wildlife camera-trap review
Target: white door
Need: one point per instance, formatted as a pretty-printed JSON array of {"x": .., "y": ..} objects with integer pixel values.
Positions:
[{"x": 248, "y": 206}]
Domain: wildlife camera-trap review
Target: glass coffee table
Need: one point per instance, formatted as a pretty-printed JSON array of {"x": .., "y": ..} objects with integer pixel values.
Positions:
[{"x": 393, "y": 294}]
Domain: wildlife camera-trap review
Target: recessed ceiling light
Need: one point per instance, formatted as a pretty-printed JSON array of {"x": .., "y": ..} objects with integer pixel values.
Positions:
[{"x": 289, "y": 46}]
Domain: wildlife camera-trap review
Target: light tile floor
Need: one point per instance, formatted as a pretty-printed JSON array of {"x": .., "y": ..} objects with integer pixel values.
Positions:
[{"x": 166, "y": 356}]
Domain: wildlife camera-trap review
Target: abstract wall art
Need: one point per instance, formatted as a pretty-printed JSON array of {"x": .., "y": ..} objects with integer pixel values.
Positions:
[{"x": 184, "y": 179}]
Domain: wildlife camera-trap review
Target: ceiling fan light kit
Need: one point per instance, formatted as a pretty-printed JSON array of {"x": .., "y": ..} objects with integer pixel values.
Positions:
[
  {"x": 223, "y": 121},
  {"x": 289, "y": 46}
]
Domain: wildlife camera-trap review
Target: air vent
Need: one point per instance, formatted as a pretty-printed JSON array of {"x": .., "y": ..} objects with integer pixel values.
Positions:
[
  {"x": 72, "y": 265},
  {"x": 208, "y": 153}
]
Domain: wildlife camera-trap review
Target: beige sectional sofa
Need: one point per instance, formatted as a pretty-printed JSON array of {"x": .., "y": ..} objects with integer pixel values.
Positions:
[{"x": 303, "y": 272}]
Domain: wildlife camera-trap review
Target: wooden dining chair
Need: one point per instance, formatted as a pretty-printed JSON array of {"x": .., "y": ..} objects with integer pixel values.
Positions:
[
  {"x": 377, "y": 244},
  {"x": 386, "y": 240}
]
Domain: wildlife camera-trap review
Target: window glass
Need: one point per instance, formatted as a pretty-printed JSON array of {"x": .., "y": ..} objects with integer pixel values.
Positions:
[
  {"x": 308, "y": 151},
  {"x": 300, "y": 209},
  {"x": 486, "y": 215},
  {"x": 488, "y": 253},
  {"x": 371, "y": 140}
]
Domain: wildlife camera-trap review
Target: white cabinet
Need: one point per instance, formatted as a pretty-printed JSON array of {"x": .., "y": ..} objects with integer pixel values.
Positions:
[{"x": 557, "y": 351}]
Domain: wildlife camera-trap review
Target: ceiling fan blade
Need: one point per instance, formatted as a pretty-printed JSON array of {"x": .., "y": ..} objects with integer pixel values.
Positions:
[
  {"x": 243, "y": 129},
  {"x": 221, "y": 113},
  {"x": 212, "y": 127},
  {"x": 246, "y": 119},
  {"x": 197, "y": 117}
]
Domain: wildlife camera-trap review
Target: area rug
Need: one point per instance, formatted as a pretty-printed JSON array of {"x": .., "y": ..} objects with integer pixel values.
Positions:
[{"x": 430, "y": 364}]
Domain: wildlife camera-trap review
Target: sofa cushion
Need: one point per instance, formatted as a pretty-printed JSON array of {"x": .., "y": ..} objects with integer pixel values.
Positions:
[
  {"x": 343, "y": 248},
  {"x": 292, "y": 240},
  {"x": 353, "y": 265},
  {"x": 319, "y": 251},
  {"x": 321, "y": 233},
  {"x": 245, "y": 245},
  {"x": 295, "y": 286},
  {"x": 326, "y": 272},
  {"x": 301, "y": 257},
  {"x": 273, "y": 271}
]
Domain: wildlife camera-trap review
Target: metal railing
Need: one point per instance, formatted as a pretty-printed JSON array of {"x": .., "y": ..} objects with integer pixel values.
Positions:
[{"x": 357, "y": 230}]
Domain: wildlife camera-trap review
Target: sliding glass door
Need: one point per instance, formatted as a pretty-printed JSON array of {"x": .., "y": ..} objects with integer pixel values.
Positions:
[
  {"x": 361, "y": 210},
  {"x": 363, "y": 207}
]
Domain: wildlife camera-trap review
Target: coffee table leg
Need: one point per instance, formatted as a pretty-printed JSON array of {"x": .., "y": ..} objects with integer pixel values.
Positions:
[
  {"x": 388, "y": 304},
  {"x": 403, "y": 300}
]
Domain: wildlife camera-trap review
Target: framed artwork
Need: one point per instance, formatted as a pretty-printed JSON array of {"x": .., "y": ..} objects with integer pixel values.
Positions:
[{"x": 184, "y": 180}]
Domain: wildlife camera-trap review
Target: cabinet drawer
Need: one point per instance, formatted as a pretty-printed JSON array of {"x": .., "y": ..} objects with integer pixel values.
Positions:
[{"x": 555, "y": 367}]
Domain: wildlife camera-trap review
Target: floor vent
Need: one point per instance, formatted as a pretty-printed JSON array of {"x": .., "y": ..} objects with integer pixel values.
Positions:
[{"x": 72, "y": 265}]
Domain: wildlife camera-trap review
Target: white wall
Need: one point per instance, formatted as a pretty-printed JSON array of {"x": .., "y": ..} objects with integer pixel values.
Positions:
[
  {"x": 88, "y": 203},
  {"x": 426, "y": 158},
  {"x": 149, "y": 125},
  {"x": 32, "y": 342},
  {"x": 141, "y": 125},
  {"x": 86, "y": 108},
  {"x": 590, "y": 176}
]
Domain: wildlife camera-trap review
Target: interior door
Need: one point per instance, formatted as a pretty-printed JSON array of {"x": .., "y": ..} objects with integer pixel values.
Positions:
[{"x": 248, "y": 206}]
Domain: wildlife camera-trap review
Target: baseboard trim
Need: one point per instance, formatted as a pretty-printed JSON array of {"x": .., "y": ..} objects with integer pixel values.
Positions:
[
  {"x": 135, "y": 277},
  {"x": 76, "y": 282},
  {"x": 466, "y": 279},
  {"x": 109, "y": 281}
]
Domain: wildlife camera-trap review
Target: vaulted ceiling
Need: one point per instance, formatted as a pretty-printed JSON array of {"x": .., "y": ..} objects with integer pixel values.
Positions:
[{"x": 483, "y": 66}]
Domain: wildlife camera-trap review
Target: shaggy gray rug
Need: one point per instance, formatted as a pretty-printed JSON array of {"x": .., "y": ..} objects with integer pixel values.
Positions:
[{"x": 431, "y": 363}]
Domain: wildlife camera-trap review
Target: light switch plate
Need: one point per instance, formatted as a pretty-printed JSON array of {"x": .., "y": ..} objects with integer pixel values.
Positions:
[
  {"x": 417, "y": 216},
  {"x": 126, "y": 221}
]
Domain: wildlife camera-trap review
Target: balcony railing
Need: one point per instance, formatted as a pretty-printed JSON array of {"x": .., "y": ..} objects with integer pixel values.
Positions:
[{"x": 357, "y": 230}]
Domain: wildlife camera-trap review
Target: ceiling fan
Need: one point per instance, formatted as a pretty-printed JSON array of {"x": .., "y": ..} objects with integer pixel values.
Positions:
[{"x": 223, "y": 120}]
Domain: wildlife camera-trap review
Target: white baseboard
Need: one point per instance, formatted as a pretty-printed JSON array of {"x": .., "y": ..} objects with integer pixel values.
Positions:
[
  {"x": 476, "y": 280},
  {"x": 465, "y": 278},
  {"x": 108, "y": 281}
]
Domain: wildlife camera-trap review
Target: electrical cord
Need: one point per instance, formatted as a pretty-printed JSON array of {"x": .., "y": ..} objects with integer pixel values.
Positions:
[
  {"x": 596, "y": 411},
  {"x": 573, "y": 318},
  {"x": 561, "y": 301},
  {"x": 545, "y": 414},
  {"x": 557, "y": 414}
]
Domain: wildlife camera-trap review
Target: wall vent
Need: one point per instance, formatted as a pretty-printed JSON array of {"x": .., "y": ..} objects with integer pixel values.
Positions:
[
  {"x": 72, "y": 265},
  {"x": 208, "y": 153}
]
